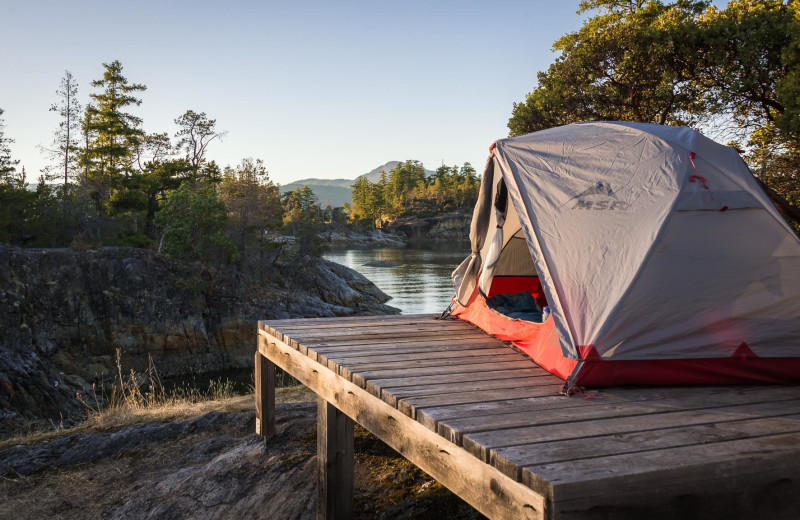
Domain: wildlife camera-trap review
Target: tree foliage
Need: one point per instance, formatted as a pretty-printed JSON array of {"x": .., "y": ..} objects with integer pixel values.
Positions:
[
  {"x": 253, "y": 201},
  {"x": 196, "y": 132},
  {"x": 8, "y": 165},
  {"x": 193, "y": 220},
  {"x": 115, "y": 133},
  {"x": 734, "y": 70},
  {"x": 407, "y": 191}
]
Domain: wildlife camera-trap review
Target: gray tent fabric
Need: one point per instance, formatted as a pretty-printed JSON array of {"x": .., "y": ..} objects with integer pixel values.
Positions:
[{"x": 650, "y": 241}]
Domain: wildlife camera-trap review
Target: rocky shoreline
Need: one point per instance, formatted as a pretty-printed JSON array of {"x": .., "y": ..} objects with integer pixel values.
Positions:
[
  {"x": 66, "y": 312},
  {"x": 446, "y": 227}
]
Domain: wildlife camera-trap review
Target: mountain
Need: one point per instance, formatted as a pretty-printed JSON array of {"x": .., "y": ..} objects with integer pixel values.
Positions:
[{"x": 339, "y": 191}]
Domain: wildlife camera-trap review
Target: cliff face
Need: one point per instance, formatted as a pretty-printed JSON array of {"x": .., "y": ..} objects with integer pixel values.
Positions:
[
  {"x": 64, "y": 313},
  {"x": 448, "y": 226}
]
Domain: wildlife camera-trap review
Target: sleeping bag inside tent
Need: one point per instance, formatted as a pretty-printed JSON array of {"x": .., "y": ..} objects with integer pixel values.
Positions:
[{"x": 659, "y": 256}]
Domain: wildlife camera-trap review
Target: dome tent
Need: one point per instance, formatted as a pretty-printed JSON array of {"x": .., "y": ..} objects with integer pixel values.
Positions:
[{"x": 660, "y": 257}]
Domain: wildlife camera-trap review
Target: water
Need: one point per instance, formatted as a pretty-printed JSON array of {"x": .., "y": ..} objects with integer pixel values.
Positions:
[{"x": 420, "y": 283}]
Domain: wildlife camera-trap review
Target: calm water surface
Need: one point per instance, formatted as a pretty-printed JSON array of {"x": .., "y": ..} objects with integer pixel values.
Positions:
[{"x": 420, "y": 283}]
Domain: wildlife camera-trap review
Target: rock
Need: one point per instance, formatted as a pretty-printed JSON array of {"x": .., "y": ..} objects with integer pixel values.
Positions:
[
  {"x": 343, "y": 235},
  {"x": 64, "y": 313},
  {"x": 212, "y": 466},
  {"x": 452, "y": 226}
]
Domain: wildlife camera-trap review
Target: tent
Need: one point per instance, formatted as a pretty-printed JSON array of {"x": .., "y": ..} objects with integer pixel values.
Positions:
[{"x": 661, "y": 259}]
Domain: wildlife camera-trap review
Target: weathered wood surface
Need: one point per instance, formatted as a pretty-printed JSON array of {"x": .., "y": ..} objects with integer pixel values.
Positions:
[
  {"x": 490, "y": 424},
  {"x": 335, "y": 462},
  {"x": 265, "y": 396},
  {"x": 480, "y": 484}
]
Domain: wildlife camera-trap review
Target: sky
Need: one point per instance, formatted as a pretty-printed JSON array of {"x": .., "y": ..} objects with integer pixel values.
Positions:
[{"x": 313, "y": 88}]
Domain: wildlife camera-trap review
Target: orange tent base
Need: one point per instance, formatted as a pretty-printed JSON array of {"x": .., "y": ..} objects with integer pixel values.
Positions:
[{"x": 540, "y": 342}]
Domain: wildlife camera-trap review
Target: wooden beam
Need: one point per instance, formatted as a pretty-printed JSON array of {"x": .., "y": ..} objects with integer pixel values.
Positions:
[
  {"x": 265, "y": 395},
  {"x": 479, "y": 484},
  {"x": 334, "y": 463}
]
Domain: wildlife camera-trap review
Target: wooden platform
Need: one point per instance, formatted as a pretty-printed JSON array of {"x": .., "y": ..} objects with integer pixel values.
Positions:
[{"x": 490, "y": 425}]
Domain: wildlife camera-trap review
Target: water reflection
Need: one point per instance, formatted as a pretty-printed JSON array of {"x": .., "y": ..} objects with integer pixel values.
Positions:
[{"x": 420, "y": 283}]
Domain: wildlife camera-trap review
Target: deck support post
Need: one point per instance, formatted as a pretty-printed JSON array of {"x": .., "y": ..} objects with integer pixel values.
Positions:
[
  {"x": 334, "y": 463},
  {"x": 265, "y": 396}
]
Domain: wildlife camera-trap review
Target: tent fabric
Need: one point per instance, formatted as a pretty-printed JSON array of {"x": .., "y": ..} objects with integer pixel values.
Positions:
[{"x": 651, "y": 243}]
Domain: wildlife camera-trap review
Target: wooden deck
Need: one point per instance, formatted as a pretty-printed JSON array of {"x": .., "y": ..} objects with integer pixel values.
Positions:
[{"x": 490, "y": 425}]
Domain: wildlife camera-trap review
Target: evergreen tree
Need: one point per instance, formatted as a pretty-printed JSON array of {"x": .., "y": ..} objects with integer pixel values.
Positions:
[
  {"x": 64, "y": 150},
  {"x": 115, "y": 133},
  {"x": 193, "y": 220},
  {"x": 252, "y": 199},
  {"x": 8, "y": 166}
]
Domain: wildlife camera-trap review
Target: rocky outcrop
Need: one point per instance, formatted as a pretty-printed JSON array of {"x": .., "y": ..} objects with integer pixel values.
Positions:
[
  {"x": 212, "y": 466},
  {"x": 446, "y": 227},
  {"x": 338, "y": 234},
  {"x": 64, "y": 313}
]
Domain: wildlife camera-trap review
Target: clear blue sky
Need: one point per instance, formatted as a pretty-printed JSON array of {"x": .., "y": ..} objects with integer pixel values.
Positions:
[{"x": 315, "y": 89}]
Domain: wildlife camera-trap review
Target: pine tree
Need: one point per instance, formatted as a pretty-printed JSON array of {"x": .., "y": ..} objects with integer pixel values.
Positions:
[
  {"x": 8, "y": 166},
  {"x": 64, "y": 150},
  {"x": 115, "y": 134},
  {"x": 196, "y": 133}
]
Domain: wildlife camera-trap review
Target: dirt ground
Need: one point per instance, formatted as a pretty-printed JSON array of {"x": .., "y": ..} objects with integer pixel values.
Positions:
[{"x": 211, "y": 466}]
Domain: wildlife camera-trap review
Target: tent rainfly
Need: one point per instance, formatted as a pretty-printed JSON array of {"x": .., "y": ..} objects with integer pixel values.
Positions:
[{"x": 661, "y": 259}]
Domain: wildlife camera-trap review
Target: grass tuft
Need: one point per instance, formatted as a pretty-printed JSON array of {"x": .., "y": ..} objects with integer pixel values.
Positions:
[{"x": 136, "y": 398}]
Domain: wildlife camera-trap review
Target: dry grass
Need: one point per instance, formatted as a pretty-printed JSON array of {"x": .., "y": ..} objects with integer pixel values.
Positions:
[{"x": 140, "y": 398}]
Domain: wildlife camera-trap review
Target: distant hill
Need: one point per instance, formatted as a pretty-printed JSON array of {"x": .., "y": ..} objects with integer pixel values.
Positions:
[{"x": 339, "y": 191}]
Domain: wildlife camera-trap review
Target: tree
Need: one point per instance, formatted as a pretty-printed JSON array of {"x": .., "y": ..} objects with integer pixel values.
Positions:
[
  {"x": 8, "y": 166},
  {"x": 685, "y": 63},
  {"x": 404, "y": 178},
  {"x": 744, "y": 47},
  {"x": 116, "y": 133},
  {"x": 193, "y": 220},
  {"x": 195, "y": 134},
  {"x": 64, "y": 150},
  {"x": 370, "y": 200},
  {"x": 789, "y": 85},
  {"x": 635, "y": 60},
  {"x": 252, "y": 199}
]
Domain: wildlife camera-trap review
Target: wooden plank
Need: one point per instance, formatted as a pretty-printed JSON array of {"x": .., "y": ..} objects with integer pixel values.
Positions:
[
  {"x": 399, "y": 326},
  {"x": 374, "y": 338},
  {"x": 454, "y": 429},
  {"x": 481, "y": 444},
  {"x": 393, "y": 395},
  {"x": 375, "y": 385},
  {"x": 500, "y": 356},
  {"x": 431, "y": 416},
  {"x": 422, "y": 345},
  {"x": 335, "y": 463},
  {"x": 400, "y": 330},
  {"x": 512, "y": 460},
  {"x": 492, "y": 493},
  {"x": 410, "y": 405},
  {"x": 418, "y": 357},
  {"x": 401, "y": 349},
  {"x": 265, "y": 395},
  {"x": 469, "y": 386},
  {"x": 347, "y": 366},
  {"x": 356, "y": 373},
  {"x": 398, "y": 340},
  {"x": 362, "y": 376},
  {"x": 347, "y": 320},
  {"x": 757, "y": 477}
]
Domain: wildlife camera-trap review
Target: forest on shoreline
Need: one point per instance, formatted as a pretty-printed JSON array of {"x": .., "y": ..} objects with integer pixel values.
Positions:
[{"x": 732, "y": 72}]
